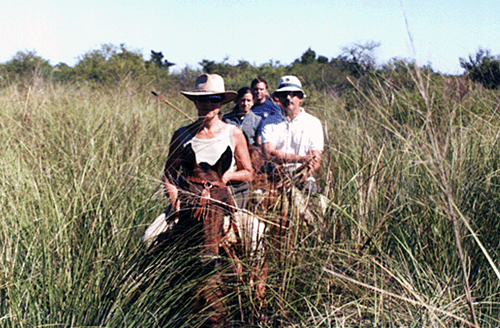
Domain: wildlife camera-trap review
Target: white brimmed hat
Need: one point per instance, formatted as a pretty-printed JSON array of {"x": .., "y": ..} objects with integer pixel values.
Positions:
[
  {"x": 290, "y": 83},
  {"x": 210, "y": 85}
]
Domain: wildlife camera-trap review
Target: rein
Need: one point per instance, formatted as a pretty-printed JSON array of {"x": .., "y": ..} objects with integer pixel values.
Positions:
[{"x": 201, "y": 213}]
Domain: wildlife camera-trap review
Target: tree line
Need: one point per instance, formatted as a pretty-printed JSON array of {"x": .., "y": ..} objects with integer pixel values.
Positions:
[{"x": 112, "y": 65}]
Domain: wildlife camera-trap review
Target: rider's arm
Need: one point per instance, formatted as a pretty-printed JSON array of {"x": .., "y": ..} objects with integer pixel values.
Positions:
[
  {"x": 244, "y": 170},
  {"x": 171, "y": 172},
  {"x": 280, "y": 157}
]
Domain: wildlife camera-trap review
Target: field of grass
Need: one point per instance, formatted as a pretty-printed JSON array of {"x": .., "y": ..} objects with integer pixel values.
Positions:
[{"x": 412, "y": 171}]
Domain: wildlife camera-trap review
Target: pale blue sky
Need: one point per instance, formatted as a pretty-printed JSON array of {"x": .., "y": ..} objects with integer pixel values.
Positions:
[{"x": 189, "y": 31}]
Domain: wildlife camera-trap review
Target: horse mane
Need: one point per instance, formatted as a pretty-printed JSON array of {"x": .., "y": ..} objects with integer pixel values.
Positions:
[{"x": 256, "y": 157}]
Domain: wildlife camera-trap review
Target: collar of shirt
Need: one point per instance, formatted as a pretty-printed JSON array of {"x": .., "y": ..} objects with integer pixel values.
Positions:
[{"x": 288, "y": 120}]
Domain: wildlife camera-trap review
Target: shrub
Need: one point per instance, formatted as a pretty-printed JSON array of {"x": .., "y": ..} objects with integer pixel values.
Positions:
[{"x": 484, "y": 68}]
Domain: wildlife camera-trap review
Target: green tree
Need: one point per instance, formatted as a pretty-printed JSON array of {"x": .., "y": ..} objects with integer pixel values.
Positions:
[
  {"x": 93, "y": 65},
  {"x": 63, "y": 73},
  {"x": 322, "y": 60},
  {"x": 111, "y": 65},
  {"x": 157, "y": 59},
  {"x": 483, "y": 68},
  {"x": 308, "y": 57},
  {"x": 362, "y": 55},
  {"x": 208, "y": 66},
  {"x": 26, "y": 65}
]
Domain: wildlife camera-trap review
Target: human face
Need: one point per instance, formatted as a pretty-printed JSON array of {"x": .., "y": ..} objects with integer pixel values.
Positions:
[
  {"x": 215, "y": 99},
  {"x": 290, "y": 102},
  {"x": 260, "y": 92},
  {"x": 245, "y": 103},
  {"x": 208, "y": 106}
]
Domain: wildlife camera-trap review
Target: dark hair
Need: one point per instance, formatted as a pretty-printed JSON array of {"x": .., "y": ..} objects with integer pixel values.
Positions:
[
  {"x": 259, "y": 80},
  {"x": 241, "y": 92}
]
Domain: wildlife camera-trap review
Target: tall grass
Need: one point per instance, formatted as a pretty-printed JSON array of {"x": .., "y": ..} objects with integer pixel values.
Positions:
[{"x": 411, "y": 239}]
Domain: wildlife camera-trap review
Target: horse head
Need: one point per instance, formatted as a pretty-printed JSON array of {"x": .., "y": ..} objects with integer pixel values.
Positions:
[
  {"x": 210, "y": 198},
  {"x": 210, "y": 172}
]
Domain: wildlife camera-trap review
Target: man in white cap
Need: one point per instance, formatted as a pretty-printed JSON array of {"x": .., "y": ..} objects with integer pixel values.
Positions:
[{"x": 299, "y": 138}]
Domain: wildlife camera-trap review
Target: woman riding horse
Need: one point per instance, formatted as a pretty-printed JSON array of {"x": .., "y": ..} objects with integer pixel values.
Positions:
[
  {"x": 199, "y": 147},
  {"x": 209, "y": 136}
]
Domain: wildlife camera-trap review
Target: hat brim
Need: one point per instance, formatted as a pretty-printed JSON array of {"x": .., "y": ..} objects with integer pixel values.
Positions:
[
  {"x": 289, "y": 88},
  {"x": 228, "y": 95}
]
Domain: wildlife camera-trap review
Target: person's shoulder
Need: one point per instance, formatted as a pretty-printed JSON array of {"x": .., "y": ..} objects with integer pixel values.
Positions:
[
  {"x": 230, "y": 127},
  {"x": 272, "y": 104},
  {"x": 180, "y": 137},
  {"x": 251, "y": 116},
  {"x": 309, "y": 116},
  {"x": 229, "y": 115},
  {"x": 182, "y": 130},
  {"x": 270, "y": 107},
  {"x": 185, "y": 132},
  {"x": 258, "y": 108},
  {"x": 270, "y": 121},
  {"x": 272, "y": 124},
  {"x": 235, "y": 131},
  {"x": 265, "y": 106}
]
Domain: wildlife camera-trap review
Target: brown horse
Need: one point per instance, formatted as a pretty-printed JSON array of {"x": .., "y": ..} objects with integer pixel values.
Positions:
[
  {"x": 270, "y": 204},
  {"x": 206, "y": 204},
  {"x": 277, "y": 200}
]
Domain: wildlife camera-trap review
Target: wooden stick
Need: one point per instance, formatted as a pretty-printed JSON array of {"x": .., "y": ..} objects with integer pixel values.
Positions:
[{"x": 172, "y": 105}]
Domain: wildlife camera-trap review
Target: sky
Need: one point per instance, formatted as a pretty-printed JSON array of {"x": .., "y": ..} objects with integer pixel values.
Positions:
[{"x": 435, "y": 32}]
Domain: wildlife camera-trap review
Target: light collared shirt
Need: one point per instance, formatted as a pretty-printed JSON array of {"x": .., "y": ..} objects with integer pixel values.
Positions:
[{"x": 298, "y": 136}]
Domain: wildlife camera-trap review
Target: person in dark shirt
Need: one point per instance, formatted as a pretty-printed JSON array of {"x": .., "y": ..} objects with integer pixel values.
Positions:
[
  {"x": 269, "y": 111},
  {"x": 243, "y": 117},
  {"x": 249, "y": 123},
  {"x": 264, "y": 107}
]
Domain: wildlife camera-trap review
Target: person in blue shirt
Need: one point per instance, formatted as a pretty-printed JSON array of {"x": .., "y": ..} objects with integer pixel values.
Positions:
[
  {"x": 249, "y": 123},
  {"x": 264, "y": 107}
]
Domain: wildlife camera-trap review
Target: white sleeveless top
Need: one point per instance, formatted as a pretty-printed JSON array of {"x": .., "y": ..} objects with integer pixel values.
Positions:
[{"x": 210, "y": 150}]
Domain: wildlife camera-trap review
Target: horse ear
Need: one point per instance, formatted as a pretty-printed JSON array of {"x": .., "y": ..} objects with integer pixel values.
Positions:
[
  {"x": 224, "y": 162},
  {"x": 189, "y": 158}
]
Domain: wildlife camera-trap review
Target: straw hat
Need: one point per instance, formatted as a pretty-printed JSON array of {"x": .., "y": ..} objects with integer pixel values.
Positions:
[{"x": 210, "y": 85}]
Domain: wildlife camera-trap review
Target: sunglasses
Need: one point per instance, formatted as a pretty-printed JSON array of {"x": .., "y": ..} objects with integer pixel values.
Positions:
[
  {"x": 210, "y": 99},
  {"x": 284, "y": 94}
]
